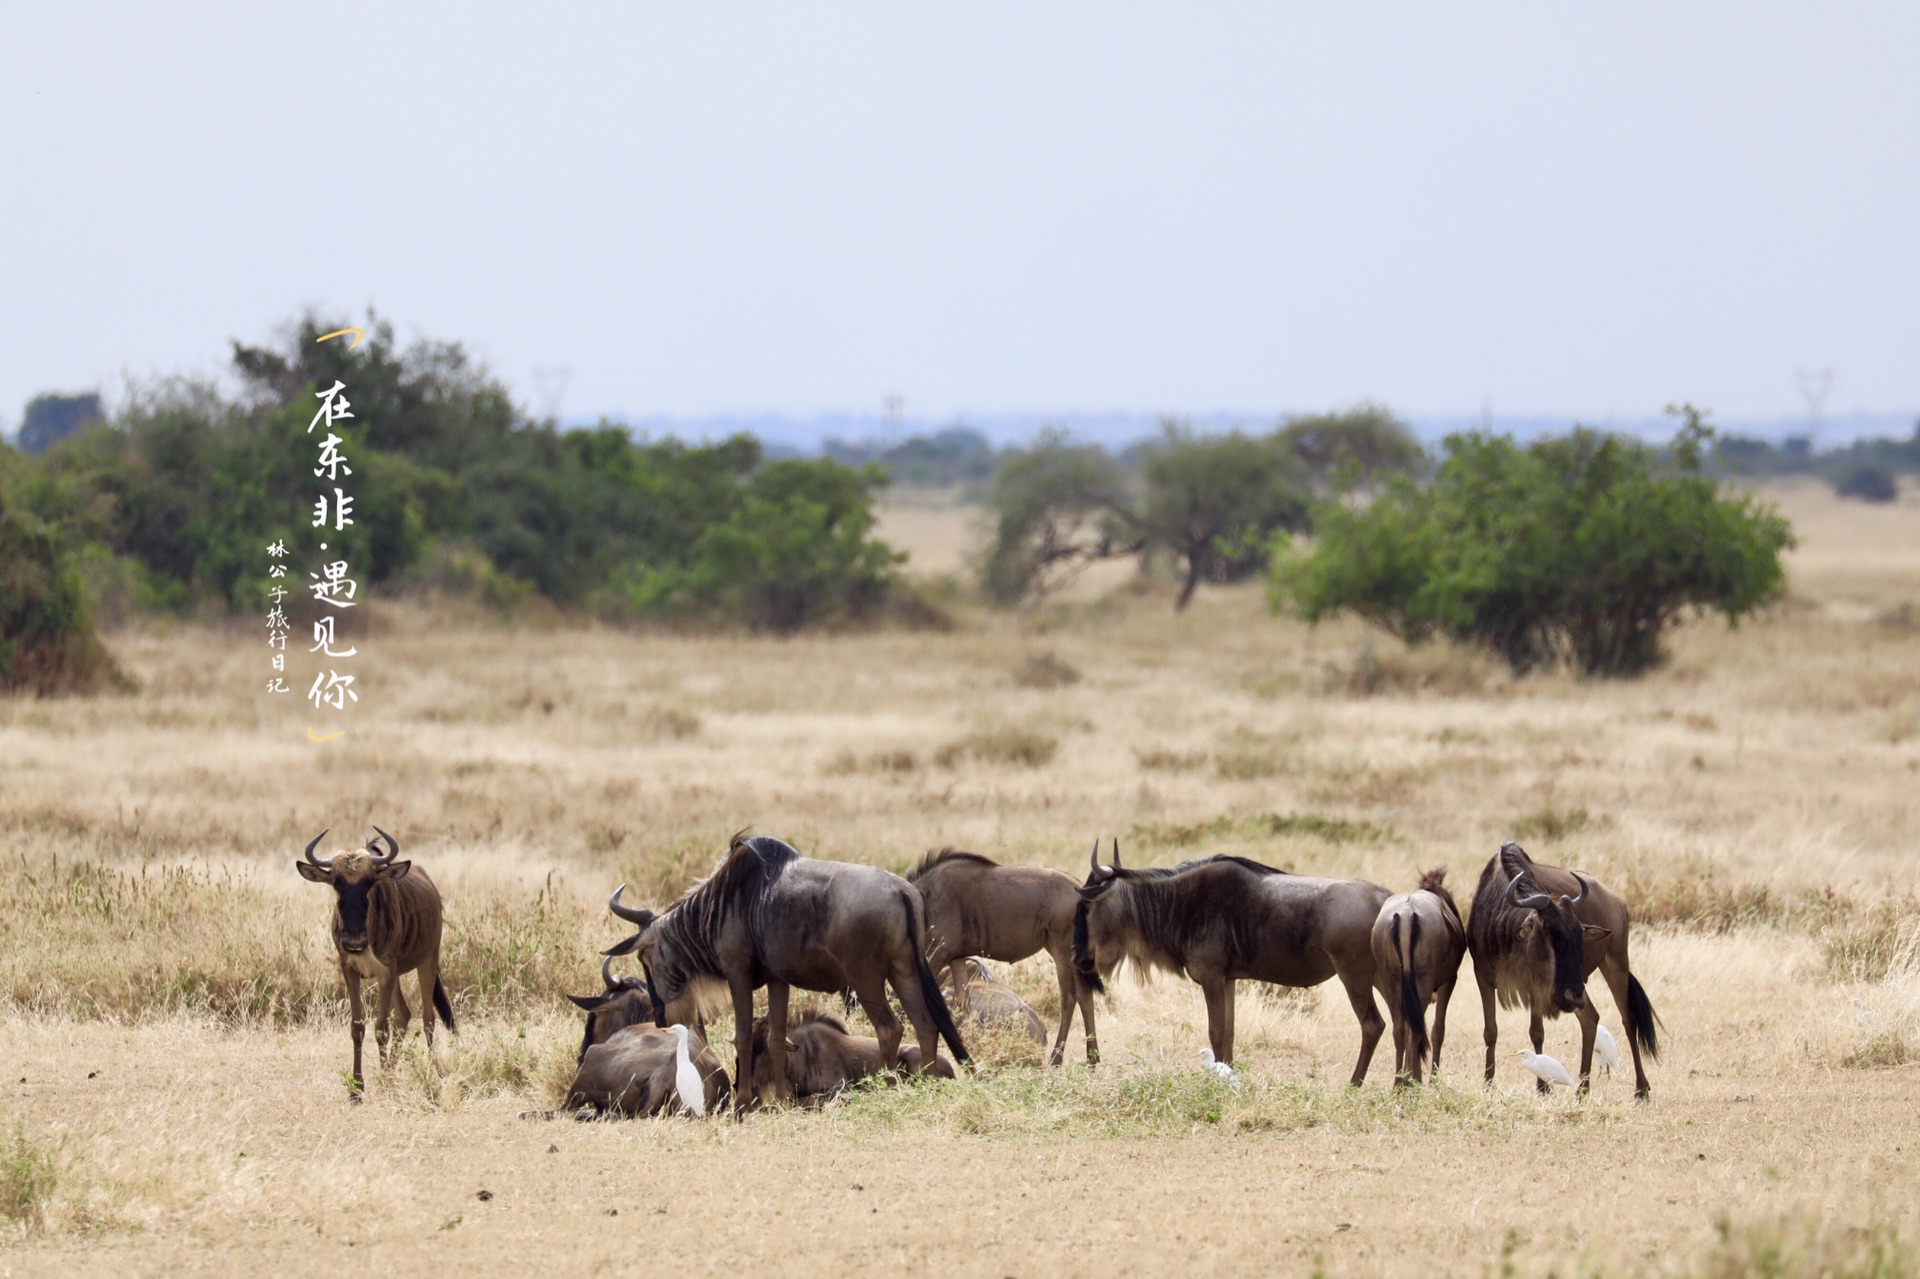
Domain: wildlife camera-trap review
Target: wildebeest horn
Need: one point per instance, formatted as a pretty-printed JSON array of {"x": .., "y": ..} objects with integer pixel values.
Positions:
[
  {"x": 1116, "y": 852},
  {"x": 1581, "y": 896},
  {"x": 323, "y": 865},
  {"x": 1531, "y": 900},
  {"x": 393, "y": 847},
  {"x": 606, "y": 972},
  {"x": 1093, "y": 858},
  {"x": 641, "y": 916}
]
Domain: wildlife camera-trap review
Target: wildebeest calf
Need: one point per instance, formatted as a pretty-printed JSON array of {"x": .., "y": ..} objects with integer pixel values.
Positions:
[
  {"x": 823, "y": 1057},
  {"x": 625, "y": 1002},
  {"x": 1418, "y": 942},
  {"x": 991, "y": 1002},
  {"x": 632, "y": 1073}
]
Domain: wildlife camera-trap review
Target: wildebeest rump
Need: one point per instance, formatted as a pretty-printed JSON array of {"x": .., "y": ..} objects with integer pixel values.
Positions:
[
  {"x": 1536, "y": 933},
  {"x": 632, "y": 1073},
  {"x": 386, "y": 922},
  {"x": 769, "y": 917},
  {"x": 1225, "y": 918},
  {"x": 823, "y": 1057},
  {"x": 1418, "y": 942},
  {"x": 977, "y": 907},
  {"x": 625, "y": 1002}
]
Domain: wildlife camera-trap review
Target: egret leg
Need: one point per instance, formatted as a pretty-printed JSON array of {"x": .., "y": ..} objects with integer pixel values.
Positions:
[{"x": 1537, "y": 1031}]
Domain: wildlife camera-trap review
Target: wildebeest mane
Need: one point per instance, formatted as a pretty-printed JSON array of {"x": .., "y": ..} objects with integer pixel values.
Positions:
[
  {"x": 738, "y": 886},
  {"x": 1174, "y": 914},
  {"x": 935, "y": 857}
]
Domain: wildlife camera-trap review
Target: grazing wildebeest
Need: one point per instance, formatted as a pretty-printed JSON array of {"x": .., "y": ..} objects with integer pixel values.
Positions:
[
  {"x": 386, "y": 922},
  {"x": 768, "y": 916},
  {"x": 1418, "y": 943},
  {"x": 632, "y": 1073},
  {"x": 977, "y": 907},
  {"x": 991, "y": 1002},
  {"x": 1224, "y": 918},
  {"x": 625, "y": 1002},
  {"x": 1536, "y": 933},
  {"x": 823, "y": 1057}
]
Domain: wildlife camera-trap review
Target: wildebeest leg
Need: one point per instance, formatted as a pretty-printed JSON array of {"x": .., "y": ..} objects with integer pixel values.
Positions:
[
  {"x": 1440, "y": 998},
  {"x": 1492, "y": 1031},
  {"x": 1589, "y": 1023},
  {"x": 742, "y": 989},
  {"x": 1063, "y": 970},
  {"x": 777, "y": 992},
  {"x": 1537, "y": 1031},
  {"x": 1402, "y": 1076},
  {"x": 886, "y": 1027},
  {"x": 1219, "y": 993},
  {"x": 1617, "y": 983},
  {"x": 359, "y": 1014},
  {"x": 1084, "y": 993},
  {"x": 428, "y": 974},
  {"x": 906, "y": 984},
  {"x": 1372, "y": 1024},
  {"x": 383, "y": 1012},
  {"x": 405, "y": 1017}
]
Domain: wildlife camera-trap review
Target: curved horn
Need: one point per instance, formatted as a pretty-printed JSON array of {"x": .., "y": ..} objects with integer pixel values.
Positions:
[
  {"x": 323, "y": 865},
  {"x": 641, "y": 916},
  {"x": 1581, "y": 896},
  {"x": 1517, "y": 896},
  {"x": 393, "y": 848},
  {"x": 1093, "y": 858},
  {"x": 1116, "y": 852},
  {"x": 606, "y": 973}
]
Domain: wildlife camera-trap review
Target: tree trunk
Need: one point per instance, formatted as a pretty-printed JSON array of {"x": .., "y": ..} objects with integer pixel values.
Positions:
[{"x": 1193, "y": 581}]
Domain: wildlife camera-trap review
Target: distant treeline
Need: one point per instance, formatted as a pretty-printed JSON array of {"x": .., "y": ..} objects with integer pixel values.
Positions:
[{"x": 1865, "y": 469}]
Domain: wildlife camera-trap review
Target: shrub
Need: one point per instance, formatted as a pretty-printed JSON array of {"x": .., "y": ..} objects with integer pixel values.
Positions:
[
  {"x": 47, "y": 640},
  {"x": 1583, "y": 548},
  {"x": 1055, "y": 507},
  {"x": 1868, "y": 481}
]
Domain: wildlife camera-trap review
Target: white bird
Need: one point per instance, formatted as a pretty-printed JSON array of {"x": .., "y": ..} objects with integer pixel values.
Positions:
[
  {"x": 686, "y": 1076},
  {"x": 1605, "y": 1051},
  {"x": 1544, "y": 1067},
  {"x": 1219, "y": 1068},
  {"x": 1861, "y": 1013}
]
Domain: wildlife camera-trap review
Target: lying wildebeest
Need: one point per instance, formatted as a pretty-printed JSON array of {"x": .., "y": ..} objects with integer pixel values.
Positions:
[
  {"x": 625, "y": 1002},
  {"x": 977, "y": 907},
  {"x": 768, "y": 916},
  {"x": 1224, "y": 918},
  {"x": 823, "y": 1057},
  {"x": 991, "y": 1002},
  {"x": 632, "y": 1073},
  {"x": 1536, "y": 933},
  {"x": 1418, "y": 942},
  {"x": 386, "y": 922}
]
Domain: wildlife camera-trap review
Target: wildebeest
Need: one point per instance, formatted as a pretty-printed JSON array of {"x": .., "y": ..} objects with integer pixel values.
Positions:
[
  {"x": 1221, "y": 919},
  {"x": 769, "y": 917},
  {"x": 625, "y": 1002},
  {"x": 632, "y": 1073},
  {"x": 977, "y": 907},
  {"x": 386, "y": 922},
  {"x": 823, "y": 1057},
  {"x": 991, "y": 1002},
  {"x": 1536, "y": 933},
  {"x": 1418, "y": 942}
]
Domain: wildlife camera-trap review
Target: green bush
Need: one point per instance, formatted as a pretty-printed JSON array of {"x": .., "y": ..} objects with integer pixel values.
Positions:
[
  {"x": 47, "y": 640},
  {"x": 1868, "y": 481},
  {"x": 1056, "y": 505},
  {"x": 1583, "y": 548},
  {"x": 1214, "y": 501}
]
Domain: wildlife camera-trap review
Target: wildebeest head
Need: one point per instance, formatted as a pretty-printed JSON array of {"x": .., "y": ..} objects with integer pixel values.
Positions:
[
  {"x": 626, "y": 1001},
  {"x": 1552, "y": 931},
  {"x": 673, "y": 999},
  {"x": 353, "y": 874}
]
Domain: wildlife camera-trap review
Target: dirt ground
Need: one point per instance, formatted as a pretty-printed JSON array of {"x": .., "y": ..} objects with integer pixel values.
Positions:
[{"x": 171, "y": 1018}]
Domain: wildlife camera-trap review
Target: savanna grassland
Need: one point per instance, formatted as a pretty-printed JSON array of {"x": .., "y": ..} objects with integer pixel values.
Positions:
[{"x": 172, "y": 1017}]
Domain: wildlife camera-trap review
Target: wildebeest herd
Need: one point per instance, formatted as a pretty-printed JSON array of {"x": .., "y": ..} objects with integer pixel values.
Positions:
[{"x": 769, "y": 917}]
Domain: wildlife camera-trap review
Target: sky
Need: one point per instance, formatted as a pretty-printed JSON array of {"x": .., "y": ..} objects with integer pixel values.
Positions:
[{"x": 670, "y": 211}]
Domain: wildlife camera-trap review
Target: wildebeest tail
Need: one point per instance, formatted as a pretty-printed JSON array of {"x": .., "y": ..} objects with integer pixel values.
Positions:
[
  {"x": 930, "y": 990},
  {"x": 1641, "y": 1018},
  {"x": 1411, "y": 1012},
  {"x": 1082, "y": 959},
  {"x": 443, "y": 1006}
]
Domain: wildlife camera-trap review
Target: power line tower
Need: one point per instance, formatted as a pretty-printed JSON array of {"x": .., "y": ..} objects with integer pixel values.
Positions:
[
  {"x": 893, "y": 416},
  {"x": 1815, "y": 386}
]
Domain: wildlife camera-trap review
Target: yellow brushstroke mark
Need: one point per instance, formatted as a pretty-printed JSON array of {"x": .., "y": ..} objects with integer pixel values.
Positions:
[
  {"x": 312, "y": 737},
  {"x": 358, "y": 334}
]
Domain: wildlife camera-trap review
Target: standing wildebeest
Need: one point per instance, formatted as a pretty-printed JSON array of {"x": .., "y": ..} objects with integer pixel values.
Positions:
[
  {"x": 632, "y": 1073},
  {"x": 1418, "y": 943},
  {"x": 625, "y": 1002},
  {"x": 977, "y": 907},
  {"x": 823, "y": 1057},
  {"x": 1536, "y": 933},
  {"x": 769, "y": 917},
  {"x": 1224, "y": 918},
  {"x": 386, "y": 922}
]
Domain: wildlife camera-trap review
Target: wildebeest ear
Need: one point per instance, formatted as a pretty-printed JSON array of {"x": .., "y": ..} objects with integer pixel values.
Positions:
[
  {"x": 1529, "y": 926},
  {"x": 395, "y": 870},
  {"x": 589, "y": 1002},
  {"x": 309, "y": 871},
  {"x": 1596, "y": 933},
  {"x": 626, "y": 947}
]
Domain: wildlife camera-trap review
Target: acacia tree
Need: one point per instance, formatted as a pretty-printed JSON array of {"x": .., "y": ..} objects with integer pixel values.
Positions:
[
  {"x": 1362, "y": 445},
  {"x": 1058, "y": 508},
  {"x": 1585, "y": 548},
  {"x": 1214, "y": 501}
]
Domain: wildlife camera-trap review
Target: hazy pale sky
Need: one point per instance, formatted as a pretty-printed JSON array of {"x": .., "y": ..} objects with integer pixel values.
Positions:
[{"x": 1588, "y": 210}]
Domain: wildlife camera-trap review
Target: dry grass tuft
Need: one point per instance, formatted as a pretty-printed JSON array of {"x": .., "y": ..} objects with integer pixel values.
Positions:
[
  {"x": 1012, "y": 747},
  {"x": 1045, "y": 670},
  {"x": 1163, "y": 759},
  {"x": 1790, "y": 1248},
  {"x": 1380, "y": 666},
  {"x": 29, "y": 1175}
]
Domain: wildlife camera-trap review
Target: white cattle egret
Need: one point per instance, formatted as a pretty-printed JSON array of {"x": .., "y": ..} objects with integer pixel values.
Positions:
[
  {"x": 686, "y": 1076},
  {"x": 1544, "y": 1067},
  {"x": 1605, "y": 1051},
  {"x": 1219, "y": 1068}
]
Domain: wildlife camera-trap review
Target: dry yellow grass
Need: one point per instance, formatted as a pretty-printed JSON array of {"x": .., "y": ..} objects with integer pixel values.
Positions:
[{"x": 171, "y": 1016}]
